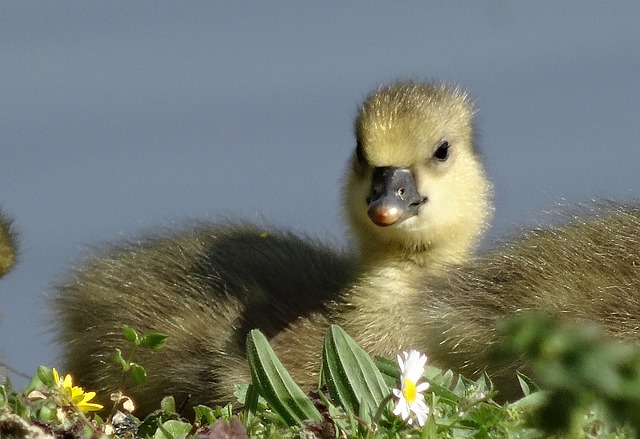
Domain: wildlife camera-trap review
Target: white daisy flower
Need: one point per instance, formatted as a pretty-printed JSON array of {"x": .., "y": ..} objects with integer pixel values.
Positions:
[{"x": 410, "y": 397}]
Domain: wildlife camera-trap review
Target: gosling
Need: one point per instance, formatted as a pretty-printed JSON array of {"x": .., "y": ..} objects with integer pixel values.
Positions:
[{"x": 417, "y": 200}]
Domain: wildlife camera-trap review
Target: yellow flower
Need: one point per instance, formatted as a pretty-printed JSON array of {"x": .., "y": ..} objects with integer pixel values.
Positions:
[
  {"x": 81, "y": 399},
  {"x": 410, "y": 397},
  {"x": 65, "y": 383},
  {"x": 76, "y": 394}
]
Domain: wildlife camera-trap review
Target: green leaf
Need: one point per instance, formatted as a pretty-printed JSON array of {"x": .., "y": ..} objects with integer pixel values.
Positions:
[
  {"x": 173, "y": 430},
  {"x": 240, "y": 392},
  {"x": 139, "y": 373},
  {"x": 131, "y": 335},
  {"x": 154, "y": 340},
  {"x": 389, "y": 370},
  {"x": 439, "y": 383},
  {"x": 275, "y": 384},
  {"x": 47, "y": 413},
  {"x": 119, "y": 359},
  {"x": 530, "y": 402},
  {"x": 351, "y": 375},
  {"x": 168, "y": 404},
  {"x": 151, "y": 423},
  {"x": 46, "y": 376},
  {"x": 204, "y": 415},
  {"x": 526, "y": 384},
  {"x": 250, "y": 403},
  {"x": 20, "y": 408}
]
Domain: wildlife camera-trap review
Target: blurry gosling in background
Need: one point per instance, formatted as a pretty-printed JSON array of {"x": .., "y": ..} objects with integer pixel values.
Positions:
[
  {"x": 417, "y": 200},
  {"x": 8, "y": 244}
]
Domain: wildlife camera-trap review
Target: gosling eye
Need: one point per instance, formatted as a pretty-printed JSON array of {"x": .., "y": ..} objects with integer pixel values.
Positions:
[{"x": 442, "y": 151}]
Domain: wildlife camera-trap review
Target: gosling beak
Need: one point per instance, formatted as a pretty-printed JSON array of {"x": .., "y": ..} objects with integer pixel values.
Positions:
[{"x": 394, "y": 196}]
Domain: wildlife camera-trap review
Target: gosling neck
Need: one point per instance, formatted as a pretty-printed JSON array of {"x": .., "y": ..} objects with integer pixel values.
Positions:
[{"x": 431, "y": 256}]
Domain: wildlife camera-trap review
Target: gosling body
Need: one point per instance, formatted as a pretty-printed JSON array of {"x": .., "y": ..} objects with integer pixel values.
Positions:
[{"x": 417, "y": 200}]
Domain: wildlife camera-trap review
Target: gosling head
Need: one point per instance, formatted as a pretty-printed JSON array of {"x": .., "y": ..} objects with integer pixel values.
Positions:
[{"x": 415, "y": 185}]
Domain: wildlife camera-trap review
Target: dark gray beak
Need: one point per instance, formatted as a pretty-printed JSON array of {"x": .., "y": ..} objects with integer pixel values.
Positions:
[{"x": 393, "y": 197}]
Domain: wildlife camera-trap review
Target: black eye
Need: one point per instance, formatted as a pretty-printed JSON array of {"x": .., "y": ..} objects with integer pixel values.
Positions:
[{"x": 442, "y": 152}]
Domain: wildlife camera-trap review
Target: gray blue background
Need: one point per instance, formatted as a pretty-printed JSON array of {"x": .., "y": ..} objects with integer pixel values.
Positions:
[{"x": 120, "y": 116}]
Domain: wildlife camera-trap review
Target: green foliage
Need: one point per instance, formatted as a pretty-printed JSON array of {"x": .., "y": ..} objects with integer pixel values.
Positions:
[
  {"x": 582, "y": 372},
  {"x": 42, "y": 406},
  {"x": 275, "y": 384},
  {"x": 359, "y": 394},
  {"x": 138, "y": 373},
  {"x": 173, "y": 429},
  {"x": 351, "y": 376},
  {"x": 130, "y": 335},
  {"x": 152, "y": 340},
  {"x": 590, "y": 388},
  {"x": 45, "y": 375},
  {"x": 204, "y": 415}
]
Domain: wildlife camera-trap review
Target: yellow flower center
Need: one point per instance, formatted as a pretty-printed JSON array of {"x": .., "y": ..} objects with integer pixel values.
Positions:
[{"x": 409, "y": 390}]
